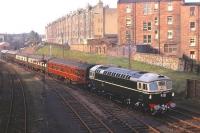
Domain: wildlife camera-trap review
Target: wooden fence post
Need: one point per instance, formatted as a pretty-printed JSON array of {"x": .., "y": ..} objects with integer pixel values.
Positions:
[{"x": 188, "y": 89}]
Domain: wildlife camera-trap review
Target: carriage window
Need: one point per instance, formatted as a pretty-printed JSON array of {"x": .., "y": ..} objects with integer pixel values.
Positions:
[{"x": 153, "y": 86}]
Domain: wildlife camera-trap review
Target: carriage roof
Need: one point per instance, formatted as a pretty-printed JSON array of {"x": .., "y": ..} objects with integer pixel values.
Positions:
[
  {"x": 39, "y": 57},
  {"x": 71, "y": 63}
]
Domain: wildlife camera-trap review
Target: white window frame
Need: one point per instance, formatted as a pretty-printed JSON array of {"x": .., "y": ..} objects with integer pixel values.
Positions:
[
  {"x": 156, "y": 7},
  {"x": 145, "y": 39},
  {"x": 156, "y": 20},
  {"x": 193, "y": 41},
  {"x": 193, "y": 56},
  {"x": 170, "y": 6},
  {"x": 156, "y": 34},
  {"x": 145, "y": 26},
  {"x": 169, "y": 20},
  {"x": 193, "y": 28},
  {"x": 149, "y": 39},
  {"x": 145, "y": 9},
  {"x": 128, "y": 8},
  {"x": 128, "y": 22},
  {"x": 149, "y": 27},
  {"x": 170, "y": 34}
]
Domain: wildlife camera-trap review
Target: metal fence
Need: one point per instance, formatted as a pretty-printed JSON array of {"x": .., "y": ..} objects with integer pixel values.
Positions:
[{"x": 193, "y": 89}]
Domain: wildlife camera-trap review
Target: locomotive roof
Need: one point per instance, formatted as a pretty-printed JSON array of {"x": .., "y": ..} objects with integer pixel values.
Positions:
[
  {"x": 131, "y": 74},
  {"x": 81, "y": 65}
]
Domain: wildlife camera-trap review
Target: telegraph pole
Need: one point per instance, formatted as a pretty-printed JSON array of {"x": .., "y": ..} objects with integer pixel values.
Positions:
[
  {"x": 129, "y": 50},
  {"x": 62, "y": 44}
]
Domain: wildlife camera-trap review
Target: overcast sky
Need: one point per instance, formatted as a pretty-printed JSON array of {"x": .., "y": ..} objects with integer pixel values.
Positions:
[{"x": 18, "y": 16}]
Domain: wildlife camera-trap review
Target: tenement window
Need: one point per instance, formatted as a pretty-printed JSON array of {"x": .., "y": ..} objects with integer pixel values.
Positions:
[
  {"x": 192, "y": 26},
  {"x": 156, "y": 20},
  {"x": 169, "y": 20},
  {"x": 147, "y": 39},
  {"x": 145, "y": 26},
  {"x": 147, "y": 8},
  {"x": 128, "y": 22},
  {"x": 149, "y": 26},
  {"x": 156, "y": 34},
  {"x": 156, "y": 7},
  {"x": 128, "y": 9},
  {"x": 192, "y": 11},
  {"x": 193, "y": 41},
  {"x": 170, "y": 34},
  {"x": 170, "y": 48},
  {"x": 192, "y": 55},
  {"x": 169, "y": 7}
]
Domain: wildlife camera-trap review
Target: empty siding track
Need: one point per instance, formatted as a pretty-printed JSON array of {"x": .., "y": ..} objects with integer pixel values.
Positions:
[
  {"x": 17, "y": 113},
  {"x": 180, "y": 120}
]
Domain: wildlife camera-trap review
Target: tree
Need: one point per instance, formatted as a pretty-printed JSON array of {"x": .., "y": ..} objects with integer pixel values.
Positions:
[{"x": 33, "y": 38}]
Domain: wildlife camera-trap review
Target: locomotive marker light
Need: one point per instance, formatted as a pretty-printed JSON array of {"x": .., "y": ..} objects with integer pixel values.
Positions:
[{"x": 150, "y": 96}]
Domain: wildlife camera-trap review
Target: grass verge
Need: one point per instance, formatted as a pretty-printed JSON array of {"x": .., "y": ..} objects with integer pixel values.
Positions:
[{"x": 179, "y": 78}]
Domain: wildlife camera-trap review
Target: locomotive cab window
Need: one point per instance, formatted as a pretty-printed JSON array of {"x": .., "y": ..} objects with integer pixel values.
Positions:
[
  {"x": 145, "y": 87},
  {"x": 153, "y": 86},
  {"x": 139, "y": 86}
]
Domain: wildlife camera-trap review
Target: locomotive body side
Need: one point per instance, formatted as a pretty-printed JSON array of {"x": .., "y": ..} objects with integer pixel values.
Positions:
[{"x": 147, "y": 90}]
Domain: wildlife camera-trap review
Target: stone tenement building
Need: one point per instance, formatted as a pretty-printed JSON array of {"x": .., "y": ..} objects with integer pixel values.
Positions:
[
  {"x": 77, "y": 27},
  {"x": 172, "y": 27}
]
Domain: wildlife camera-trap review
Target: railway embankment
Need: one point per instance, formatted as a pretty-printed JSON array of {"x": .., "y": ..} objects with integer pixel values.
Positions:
[{"x": 179, "y": 78}]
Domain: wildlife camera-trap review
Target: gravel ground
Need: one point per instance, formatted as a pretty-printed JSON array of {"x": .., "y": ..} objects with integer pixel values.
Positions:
[{"x": 46, "y": 114}]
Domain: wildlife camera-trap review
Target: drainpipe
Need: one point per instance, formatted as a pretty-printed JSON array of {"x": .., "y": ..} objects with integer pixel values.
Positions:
[{"x": 159, "y": 27}]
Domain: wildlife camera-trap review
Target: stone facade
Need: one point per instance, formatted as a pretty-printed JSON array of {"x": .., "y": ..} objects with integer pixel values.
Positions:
[
  {"x": 77, "y": 27},
  {"x": 162, "y": 24},
  {"x": 97, "y": 46}
]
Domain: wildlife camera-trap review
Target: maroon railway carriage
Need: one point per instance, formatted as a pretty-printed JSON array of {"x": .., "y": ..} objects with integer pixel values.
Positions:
[{"x": 73, "y": 71}]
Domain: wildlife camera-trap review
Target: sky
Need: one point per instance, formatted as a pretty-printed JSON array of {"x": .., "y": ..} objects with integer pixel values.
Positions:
[{"x": 22, "y": 16}]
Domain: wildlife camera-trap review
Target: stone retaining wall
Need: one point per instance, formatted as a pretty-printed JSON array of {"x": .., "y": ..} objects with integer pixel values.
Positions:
[{"x": 159, "y": 60}]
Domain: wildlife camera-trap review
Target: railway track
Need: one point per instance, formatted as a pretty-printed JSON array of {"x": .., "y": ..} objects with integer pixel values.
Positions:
[
  {"x": 89, "y": 121},
  {"x": 126, "y": 121},
  {"x": 177, "y": 121},
  {"x": 181, "y": 121},
  {"x": 117, "y": 116},
  {"x": 17, "y": 115}
]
